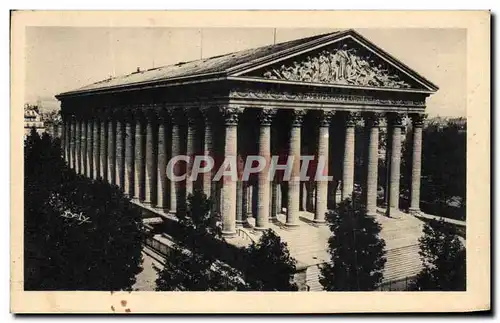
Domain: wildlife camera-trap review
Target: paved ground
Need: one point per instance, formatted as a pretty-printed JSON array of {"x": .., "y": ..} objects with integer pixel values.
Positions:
[{"x": 146, "y": 279}]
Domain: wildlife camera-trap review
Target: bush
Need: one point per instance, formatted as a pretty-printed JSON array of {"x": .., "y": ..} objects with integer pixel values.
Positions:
[
  {"x": 192, "y": 264},
  {"x": 269, "y": 265},
  {"x": 79, "y": 234},
  {"x": 356, "y": 250},
  {"x": 443, "y": 258}
]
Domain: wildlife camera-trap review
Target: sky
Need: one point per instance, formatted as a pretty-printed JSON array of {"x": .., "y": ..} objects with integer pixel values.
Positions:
[{"x": 60, "y": 59}]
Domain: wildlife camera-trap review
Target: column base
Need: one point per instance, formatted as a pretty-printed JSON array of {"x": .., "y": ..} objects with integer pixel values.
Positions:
[
  {"x": 240, "y": 223},
  {"x": 391, "y": 211},
  {"x": 414, "y": 210},
  {"x": 273, "y": 220},
  {"x": 260, "y": 228},
  {"x": 291, "y": 226},
  {"x": 162, "y": 209},
  {"x": 319, "y": 221},
  {"x": 228, "y": 234}
]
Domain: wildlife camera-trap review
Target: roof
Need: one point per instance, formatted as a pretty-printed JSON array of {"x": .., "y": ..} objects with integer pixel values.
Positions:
[
  {"x": 223, "y": 64},
  {"x": 215, "y": 64}
]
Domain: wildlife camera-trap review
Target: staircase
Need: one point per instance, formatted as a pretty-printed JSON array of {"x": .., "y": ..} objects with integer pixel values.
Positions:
[
  {"x": 308, "y": 244},
  {"x": 312, "y": 278}
]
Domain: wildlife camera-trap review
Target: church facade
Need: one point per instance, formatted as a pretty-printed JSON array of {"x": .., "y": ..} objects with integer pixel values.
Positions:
[{"x": 302, "y": 97}]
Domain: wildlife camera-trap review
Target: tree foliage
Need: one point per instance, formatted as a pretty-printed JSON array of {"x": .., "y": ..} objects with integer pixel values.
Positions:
[
  {"x": 79, "y": 234},
  {"x": 443, "y": 162},
  {"x": 443, "y": 258},
  {"x": 269, "y": 265},
  {"x": 356, "y": 250},
  {"x": 192, "y": 264}
]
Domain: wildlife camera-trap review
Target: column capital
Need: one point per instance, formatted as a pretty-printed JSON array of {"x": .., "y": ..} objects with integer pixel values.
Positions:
[
  {"x": 138, "y": 114},
  {"x": 179, "y": 116},
  {"x": 121, "y": 114},
  {"x": 164, "y": 115},
  {"x": 373, "y": 119},
  {"x": 128, "y": 113},
  {"x": 230, "y": 114},
  {"x": 152, "y": 115},
  {"x": 351, "y": 118},
  {"x": 326, "y": 117},
  {"x": 209, "y": 113},
  {"x": 104, "y": 113},
  {"x": 298, "y": 117},
  {"x": 417, "y": 119},
  {"x": 193, "y": 116},
  {"x": 395, "y": 119},
  {"x": 266, "y": 116}
]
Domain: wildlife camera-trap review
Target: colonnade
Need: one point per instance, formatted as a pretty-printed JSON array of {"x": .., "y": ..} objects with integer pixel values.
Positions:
[{"x": 131, "y": 148}]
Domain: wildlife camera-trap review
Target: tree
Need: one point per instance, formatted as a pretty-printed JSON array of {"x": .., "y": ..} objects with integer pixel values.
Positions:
[
  {"x": 192, "y": 264},
  {"x": 356, "y": 250},
  {"x": 269, "y": 265},
  {"x": 444, "y": 162},
  {"x": 79, "y": 234},
  {"x": 443, "y": 258}
]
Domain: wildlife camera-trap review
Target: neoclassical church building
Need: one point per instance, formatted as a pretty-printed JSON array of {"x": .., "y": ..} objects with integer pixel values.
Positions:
[{"x": 302, "y": 97}]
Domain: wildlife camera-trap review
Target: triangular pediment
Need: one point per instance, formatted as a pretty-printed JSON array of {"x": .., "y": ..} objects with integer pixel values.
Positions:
[{"x": 348, "y": 61}]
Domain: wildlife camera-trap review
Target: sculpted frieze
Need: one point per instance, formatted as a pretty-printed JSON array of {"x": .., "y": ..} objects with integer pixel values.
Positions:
[
  {"x": 322, "y": 97},
  {"x": 341, "y": 65}
]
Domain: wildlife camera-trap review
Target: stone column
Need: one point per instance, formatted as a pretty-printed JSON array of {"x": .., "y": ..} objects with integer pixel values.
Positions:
[
  {"x": 111, "y": 150},
  {"x": 322, "y": 185},
  {"x": 139, "y": 165},
  {"x": 97, "y": 149},
  {"x": 120, "y": 153},
  {"x": 83, "y": 143},
  {"x": 395, "y": 122},
  {"x": 348, "y": 164},
  {"x": 150, "y": 170},
  {"x": 244, "y": 202},
  {"x": 162, "y": 180},
  {"x": 178, "y": 119},
  {"x": 263, "y": 189},
  {"x": 90, "y": 148},
  {"x": 63, "y": 138},
  {"x": 190, "y": 149},
  {"x": 274, "y": 201},
  {"x": 129, "y": 154},
  {"x": 239, "y": 203},
  {"x": 372, "y": 123},
  {"x": 208, "y": 151},
  {"x": 231, "y": 115},
  {"x": 293, "y": 201},
  {"x": 416, "y": 164},
  {"x": 71, "y": 143},
  {"x": 104, "y": 149},
  {"x": 67, "y": 136},
  {"x": 74, "y": 148},
  {"x": 78, "y": 146}
]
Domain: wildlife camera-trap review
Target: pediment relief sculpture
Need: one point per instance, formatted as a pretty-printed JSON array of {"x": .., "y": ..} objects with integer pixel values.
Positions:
[{"x": 338, "y": 66}]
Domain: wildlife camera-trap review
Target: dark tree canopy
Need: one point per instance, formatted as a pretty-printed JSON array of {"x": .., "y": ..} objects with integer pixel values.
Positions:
[
  {"x": 192, "y": 264},
  {"x": 444, "y": 160},
  {"x": 443, "y": 258},
  {"x": 270, "y": 266},
  {"x": 79, "y": 234},
  {"x": 356, "y": 250}
]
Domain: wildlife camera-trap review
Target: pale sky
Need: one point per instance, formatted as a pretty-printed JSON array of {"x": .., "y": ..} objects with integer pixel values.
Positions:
[{"x": 66, "y": 58}]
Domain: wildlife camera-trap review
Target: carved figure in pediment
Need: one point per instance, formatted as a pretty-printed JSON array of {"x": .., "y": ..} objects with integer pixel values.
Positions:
[
  {"x": 306, "y": 70},
  {"x": 343, "y": 56},
  {"x": 271, "y": 75},
  {"x": 324, "y": 68},
  {"x": 338, "y": 66}
]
